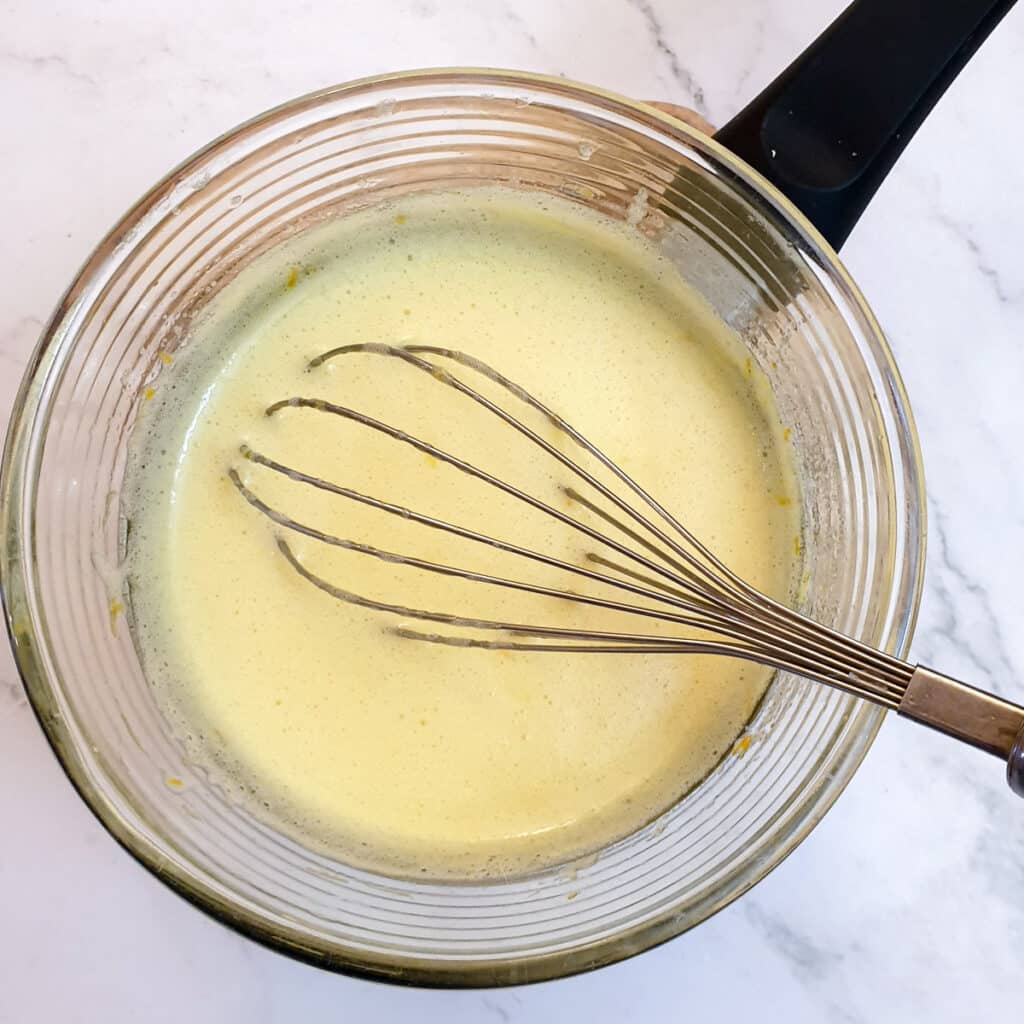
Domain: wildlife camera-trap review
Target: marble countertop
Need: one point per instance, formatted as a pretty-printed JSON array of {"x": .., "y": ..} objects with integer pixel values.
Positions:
[{"x": 907, "y": 902}]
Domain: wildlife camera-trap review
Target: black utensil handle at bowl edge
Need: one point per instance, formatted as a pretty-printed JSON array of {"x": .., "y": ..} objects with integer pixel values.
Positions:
[{"x": 829, "y": 128}]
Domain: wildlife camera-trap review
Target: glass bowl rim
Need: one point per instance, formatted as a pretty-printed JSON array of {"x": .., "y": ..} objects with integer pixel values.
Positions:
[{"x": 15, "y": 561}]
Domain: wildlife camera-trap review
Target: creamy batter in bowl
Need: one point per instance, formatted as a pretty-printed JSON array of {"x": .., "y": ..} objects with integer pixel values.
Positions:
[
  {"x": 756, "y": 263},
  {"x": 431, "y": 760}
]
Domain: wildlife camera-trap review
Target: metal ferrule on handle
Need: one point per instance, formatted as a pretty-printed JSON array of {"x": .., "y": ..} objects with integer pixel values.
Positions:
[{"x": 971, "y": 715}]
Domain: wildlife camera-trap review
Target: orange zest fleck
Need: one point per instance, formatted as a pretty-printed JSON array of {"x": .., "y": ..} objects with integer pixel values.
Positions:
[
  {"x": 165, "y": 358},
  {"x": 148, "y": 393},
  {"x": 742, "y": 745},
  {"x": 400, "y": 219},
  {"x": 783, "y": 500},
  {"x": 787, "y": 433},
  {"x": 115, "y": 607},
  {"x": 174, "y": 782},
  {"x": 293, "y": 276}
]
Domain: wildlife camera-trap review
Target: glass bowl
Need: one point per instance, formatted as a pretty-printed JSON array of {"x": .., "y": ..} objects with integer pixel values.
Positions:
[{"x": 763, "y": 268}]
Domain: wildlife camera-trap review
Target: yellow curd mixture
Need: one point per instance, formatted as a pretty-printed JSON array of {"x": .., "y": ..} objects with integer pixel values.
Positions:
[{"x": 405, "y": 756}]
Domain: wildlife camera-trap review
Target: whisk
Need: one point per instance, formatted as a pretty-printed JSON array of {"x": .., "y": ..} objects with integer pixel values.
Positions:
[{"x": 645, "y": 553}]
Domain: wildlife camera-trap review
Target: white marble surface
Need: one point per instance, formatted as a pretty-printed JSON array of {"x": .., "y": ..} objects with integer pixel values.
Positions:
[{"x": 907, "y": 903}]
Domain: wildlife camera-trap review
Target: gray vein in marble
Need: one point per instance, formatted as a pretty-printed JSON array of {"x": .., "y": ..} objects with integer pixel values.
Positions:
[
  {"x": 1006, "y": 456},
  {"x": 12, "y": 697},
  {"x": 987, "y": 655},
  {"x": 994, "y": 855},
  {"x": 801, "y": 952},
  {"x": 493, "y": 1007},
  {"x": 812, "y": 964},
  {"x": 257, "y": 981},
  {"x": 14, "y": 330},
  {"x": 743, "y": 78},
  {"x": 963, "y": 233},
  {"x": 47, "y": 62},
  {"x": 513, "y": 17},
  {"x": 15, "y": 359},
  {"x": 680, "y": 73}
]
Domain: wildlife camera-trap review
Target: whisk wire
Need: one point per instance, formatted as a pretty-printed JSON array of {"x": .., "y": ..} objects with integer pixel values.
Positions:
[
  {"x": 468, "y": 574},
  {"x": 729, "y": 614},
  {"x": 410, "y": 354},
  {"x": 441, "y": 455},
  {"x": 735, "y": 626},
  {"x": 736, "y": 589},
  {"x": 683, "y": 583},
  {"x": 622, "y": 643}
]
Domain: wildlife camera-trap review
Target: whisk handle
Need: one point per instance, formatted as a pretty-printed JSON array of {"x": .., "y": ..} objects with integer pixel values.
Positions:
[{"x": 970, "y": 715}]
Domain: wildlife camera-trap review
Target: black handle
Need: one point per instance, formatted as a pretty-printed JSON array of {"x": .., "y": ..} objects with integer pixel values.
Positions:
[{"x": 829, "y": 128}]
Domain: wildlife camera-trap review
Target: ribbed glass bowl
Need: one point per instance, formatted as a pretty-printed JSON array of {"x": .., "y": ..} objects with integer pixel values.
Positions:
[{"x": 734, "y": 238}]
